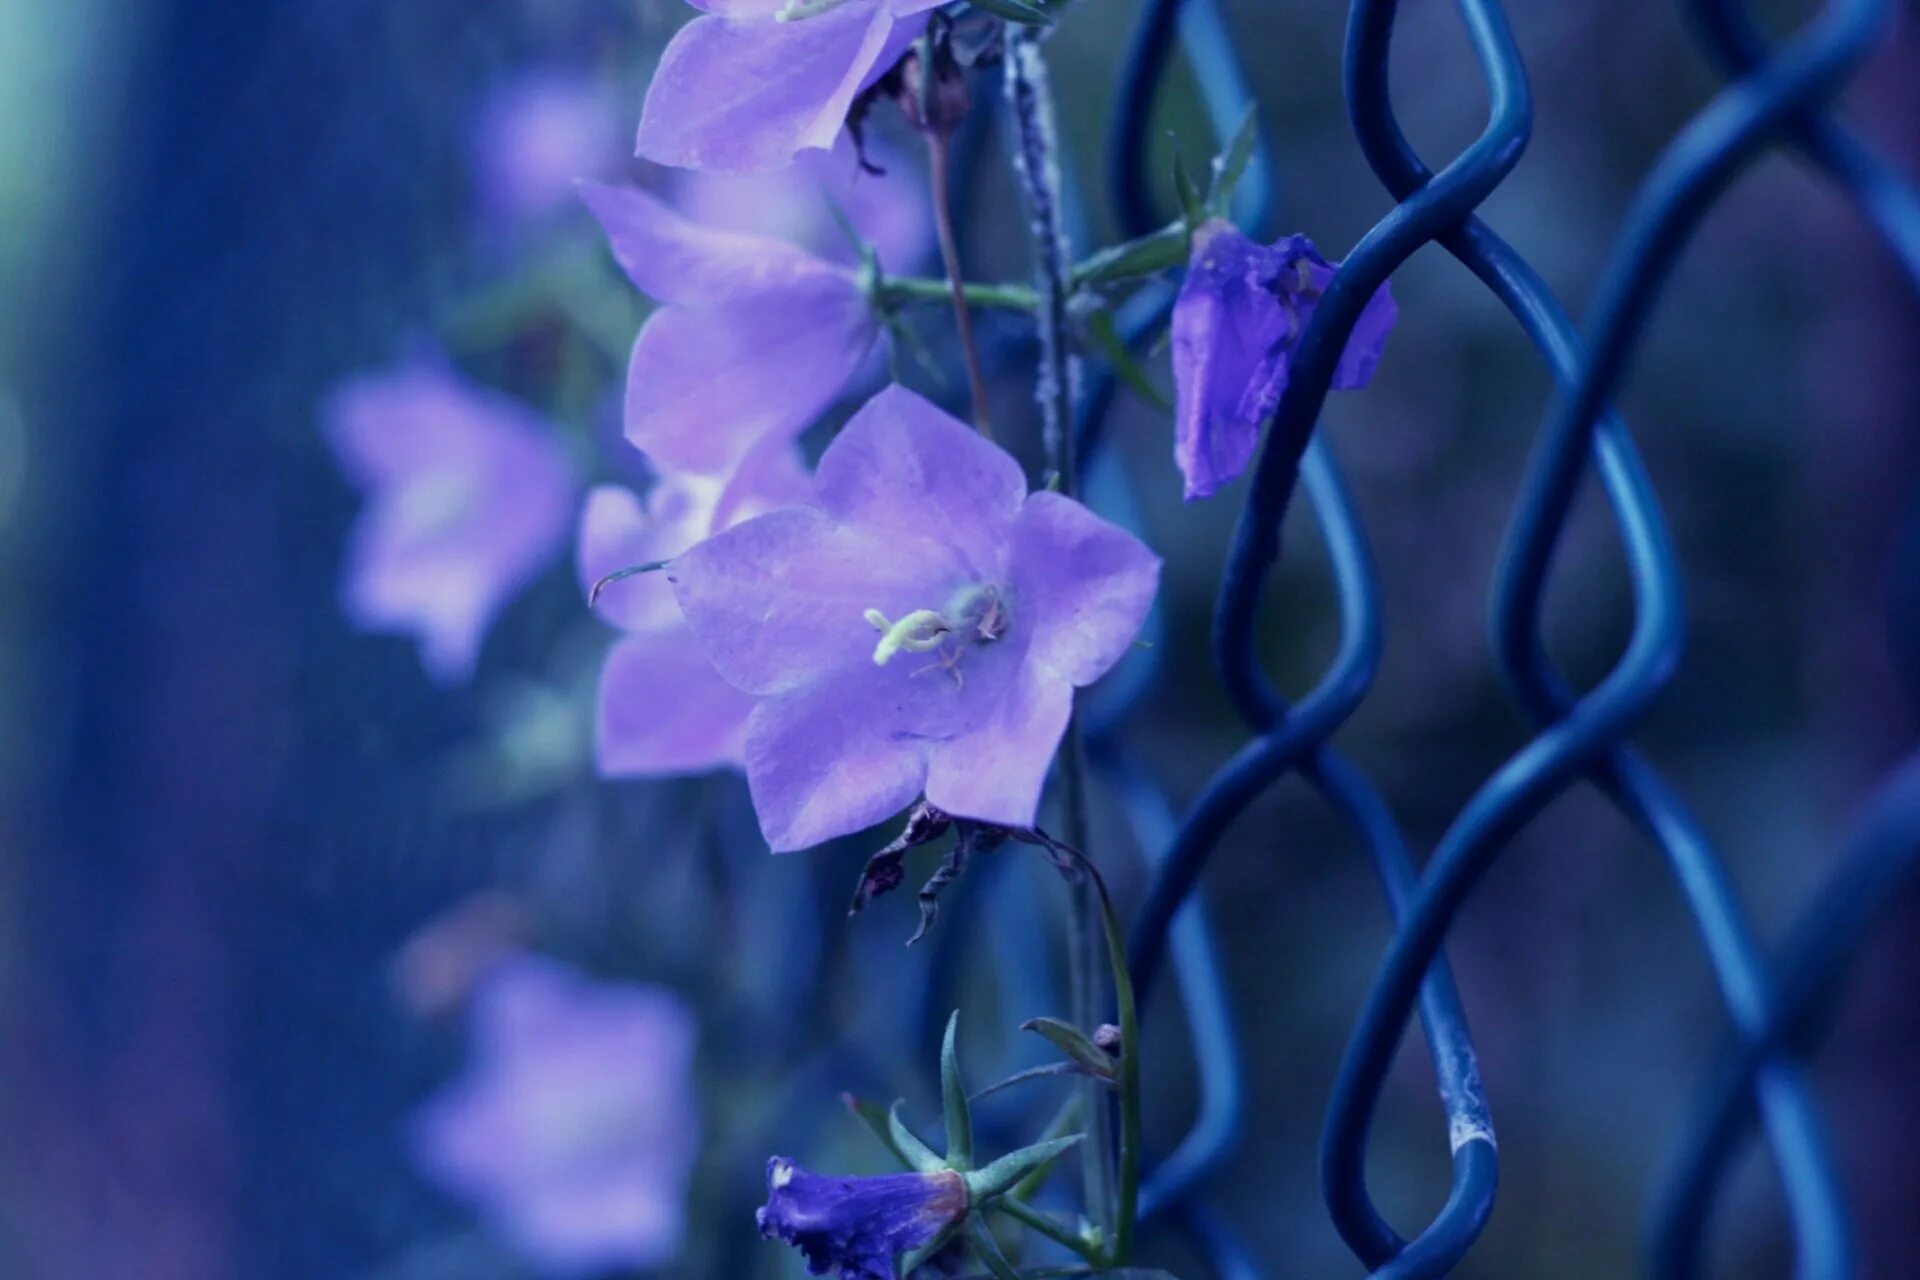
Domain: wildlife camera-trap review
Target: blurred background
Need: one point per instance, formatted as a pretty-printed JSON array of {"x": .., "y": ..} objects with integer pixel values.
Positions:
[{"x": 257, "y": 862}]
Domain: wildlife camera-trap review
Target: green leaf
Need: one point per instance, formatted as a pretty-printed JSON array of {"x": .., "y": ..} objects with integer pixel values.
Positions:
[
  {"x": 1231, "y": 164},
  {"x": 874, "y": 1117},
  {"x": 987, "y": 1249},
  {"x": 1000, "y": 1176},
  {"x": 1149, "y": 255},
  {"x": 1019, "y": 11},
  {"x": 1075, "y": 1043},
  {"x": 1107, "y": 341},
  {"x": 907, "y": 1143},
  {"x": 953, "y": 1093},
  {"x": 1192, "y": 206}
]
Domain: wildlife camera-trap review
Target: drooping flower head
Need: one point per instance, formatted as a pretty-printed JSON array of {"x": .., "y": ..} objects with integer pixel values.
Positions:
[
  {"x": 573, "y": 1132},
  {"x": 854, "y": 1228},
  {"x": 920, "y": 626},
  {"x": 469, "y": 495},
  {"x": 753, "y": 339},
  {"x": 662, "y": 708},
  {"x": 536, "y": 136},
  {"x": 752, "y": 83},
  {"x": 1236, "y": 322}
]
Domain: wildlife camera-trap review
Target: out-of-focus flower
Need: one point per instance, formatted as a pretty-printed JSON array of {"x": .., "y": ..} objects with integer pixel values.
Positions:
[
  {"x": 753, "y": 83},
  {"x": 535, "y": 137},
  {"x": 856, "y": 1227},
  {"x": 469, "y": 495},
  {"x": 923, "y": 626},
  {"x": 573, "y": 1132},
  {"x": 662, "y": 708},
  {"x": 1239, "y": 315},
  {"x": 888, "y": 210},
  {"x": 440, "y": 965},
  {"x": 754, "y": 337}
]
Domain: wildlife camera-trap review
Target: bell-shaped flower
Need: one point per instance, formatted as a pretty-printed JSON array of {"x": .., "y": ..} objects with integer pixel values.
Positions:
[
  {"x": 1236, "y": 322},
  {"x": 752, "y": 340},
  {"x": 469, "y": 495},
  {"x": 854, "y": 1228},
  {"x": 752, "y": 83},
  {"x": 573, "y": 1132},
  {"x": 920, "y": 626},
  {"x": 662, "y": 709}
]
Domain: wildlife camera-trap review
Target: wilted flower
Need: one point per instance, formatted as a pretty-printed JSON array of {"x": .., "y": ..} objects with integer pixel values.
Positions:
[
  {"x": 753, "y": 339},
  {"x": 573, "y": 1132},
  {"x": 1239, "y": 314},
  {"x": 922, "y": 626},
  {"x": 468, "y": 496},
  {"x": 856, "y": 1227},
  {"x": 753, "y": 83},
  {"x": 536, "y": 135},
  {"x": 662, "y": 708}
]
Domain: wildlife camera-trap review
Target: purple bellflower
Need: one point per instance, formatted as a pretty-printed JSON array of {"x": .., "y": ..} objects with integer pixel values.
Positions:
[
  {"x": 535, "y": 137},
  {"x": 663, "y": 710},
  {"x": 1239, "y": 315},
  {"x": 753, "y": 339},
  {"x": 921, "y": 626},
  {"x": 469, "y": 495},
  {"x": 752, "y": 83},
  {"x": 856, "y": 1227},
  {"x": 573, "y": 1132}
]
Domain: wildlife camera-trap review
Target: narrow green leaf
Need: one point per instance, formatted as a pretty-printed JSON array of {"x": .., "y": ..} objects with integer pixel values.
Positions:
[
  {"x": 1075, "y": 1043},
  {"x": 953, "y": 1093},
  {"x": 1192, "y": 206},
  {"x": 988, "y": 1250},
  {"x": 1019, "y": 11},
  {"x": 874, "y": 1117},
  {"x": 1231, "y": 164},
  {"x": 907, "y": 1143},
  {"x": 998, "y": 1177},
  {"x": 1157, "y": 251},
  {"x": 1107, "y": 341}
]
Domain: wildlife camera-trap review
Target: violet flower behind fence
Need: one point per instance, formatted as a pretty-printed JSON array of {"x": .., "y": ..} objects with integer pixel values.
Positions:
[
  {"x": 855, "y": 1227},
  {"x": 574, "y": 1131},
  {"x": 1240, "y": 312},
  {"x": 662, "y": 709},
  {"x": 469, "y": 495},
  {"x": 753, "y": 339},
  {"x": 922, "y": 627},
  {"x": 752, "y": 83}
]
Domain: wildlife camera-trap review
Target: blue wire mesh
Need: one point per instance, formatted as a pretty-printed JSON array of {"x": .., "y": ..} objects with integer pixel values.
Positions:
[{"x": 1774, "y": 97}]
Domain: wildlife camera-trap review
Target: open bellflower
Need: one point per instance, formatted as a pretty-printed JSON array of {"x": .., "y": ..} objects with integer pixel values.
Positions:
[
  {"x": 662, "y": 708},
  {"x": 752, "y": 83},
  {"x": 921, "y": 625},
  {"x": 753, "y": 339},
  {"x": 1239, "y": 315},
  {"x": 854, "y": 1228},
  {"x": 469, "y": 495},
  {"x": 574, "y": 1131}
]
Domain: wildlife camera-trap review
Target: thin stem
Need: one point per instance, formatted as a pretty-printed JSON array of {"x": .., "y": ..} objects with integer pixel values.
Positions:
[
  {"x": 988, "y": 1251},
  {"x": 1011, "y": 297},
  {"x": 1035, "y": 1220},
  {"x": 937, "y": 163}
]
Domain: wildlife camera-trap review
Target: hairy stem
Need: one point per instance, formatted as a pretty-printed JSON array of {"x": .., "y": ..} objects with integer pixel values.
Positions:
[
  {"x": 938, "y": 164},
  {"x": 895, "y": 290}
]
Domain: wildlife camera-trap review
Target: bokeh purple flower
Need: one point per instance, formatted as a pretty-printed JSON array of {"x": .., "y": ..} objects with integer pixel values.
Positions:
[
  {"x": 469, "y": 495},
  {"x": 752, "y": 340},
  {"x": 856, "y": 1227},
  {"x": 1240, "y": 312},
  {"x": 752, "y": 83},
  {"x": 922, "y": 626},
  {"x": 574, "y": 1131},
  {"x": 536, "y": 135},
  {"x": 887, "y": 210},
  {"x": 662, "y": 708}
]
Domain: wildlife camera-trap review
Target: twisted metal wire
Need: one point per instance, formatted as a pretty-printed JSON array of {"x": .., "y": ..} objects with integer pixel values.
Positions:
[{"x": 1775, "y": 96}]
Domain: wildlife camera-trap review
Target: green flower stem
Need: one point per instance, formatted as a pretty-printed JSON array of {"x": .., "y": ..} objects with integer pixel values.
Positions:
[
  {"x": 899, "y": 290},
  {"x": 988, "y": 1251},
  {"x": 1129, "y": 1075},
  {"x": 1035, "y": 1220}
]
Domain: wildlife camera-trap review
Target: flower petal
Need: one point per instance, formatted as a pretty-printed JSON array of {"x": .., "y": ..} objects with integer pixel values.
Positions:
[
  {"x": 664, "y": 711},
  {"x": 707, "y": 385},
  {"x": 903, "y": 464},
  {"x": 617, "y": 532},
  {"x": 671, "y": 259},
  {"x": 779, "y": 602},
  {"x": 819, "y": 765},
  {"x": 1367, "y": 341},
  {"x": 749, "y": 94},
  {"x": 996, "y": 772},
  {"x": 1084, "y": 587}
]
